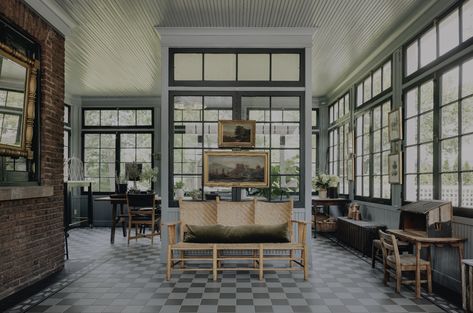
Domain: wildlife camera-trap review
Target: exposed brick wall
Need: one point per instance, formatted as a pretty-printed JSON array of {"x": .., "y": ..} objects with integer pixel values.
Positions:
[{"x": 31, "y": 231}]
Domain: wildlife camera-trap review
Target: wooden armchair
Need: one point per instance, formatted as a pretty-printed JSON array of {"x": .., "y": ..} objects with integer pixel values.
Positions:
[
  {"x": 401, "y": 263},
  {"x": 142, "y": 212}
]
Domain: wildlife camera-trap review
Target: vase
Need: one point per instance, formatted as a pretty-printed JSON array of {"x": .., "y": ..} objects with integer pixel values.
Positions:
[
  {"x": 332, "y": 192},
  {"x": 179, "y": 193},
  {"x": 122, "y": 188},
  {"x": 323, "y": 194}
]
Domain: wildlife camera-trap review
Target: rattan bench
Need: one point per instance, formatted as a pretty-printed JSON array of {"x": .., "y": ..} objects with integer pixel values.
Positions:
[{"x": 189, "y": 256}]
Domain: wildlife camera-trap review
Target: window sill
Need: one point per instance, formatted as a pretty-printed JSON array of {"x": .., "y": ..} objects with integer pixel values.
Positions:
[{"x": 25, "y": 192}]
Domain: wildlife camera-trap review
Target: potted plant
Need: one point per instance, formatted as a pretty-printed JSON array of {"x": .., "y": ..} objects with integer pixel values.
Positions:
[
  {"x": 320, "y": 183},
  {"x": 150, "y": 175},
  {"x": 332, "y": 190},
  {"x": 133, "y": 172},
  {"x": 179, "y": 189}
]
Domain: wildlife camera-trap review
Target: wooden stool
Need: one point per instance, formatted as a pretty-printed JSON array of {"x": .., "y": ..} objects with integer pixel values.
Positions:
[
  {"x": 467, "y": 284},
  {"x": 377, "y": 251}
]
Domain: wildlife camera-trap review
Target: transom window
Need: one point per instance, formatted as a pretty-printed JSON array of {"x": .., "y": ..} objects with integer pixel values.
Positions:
[
  {"x": 443, "y": 36},
  {"x": 374, "y": 84},
  {"x": 340, "y": 108},
  {"x": 117, "y": 117},
  {"x": 236, "y": 66}
]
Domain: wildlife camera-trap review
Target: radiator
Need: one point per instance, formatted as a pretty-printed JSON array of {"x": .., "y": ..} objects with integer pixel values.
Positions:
[{"x": 358, "y": 234}]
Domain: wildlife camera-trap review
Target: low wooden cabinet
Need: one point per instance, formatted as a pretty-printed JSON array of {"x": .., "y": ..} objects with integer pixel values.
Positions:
[{"x": 358, "y": 234}]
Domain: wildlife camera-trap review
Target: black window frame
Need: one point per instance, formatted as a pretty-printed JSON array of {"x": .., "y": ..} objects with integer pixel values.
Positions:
[
  {"x": 382, "y": 94},
  {"x": 236, "y": 82}
]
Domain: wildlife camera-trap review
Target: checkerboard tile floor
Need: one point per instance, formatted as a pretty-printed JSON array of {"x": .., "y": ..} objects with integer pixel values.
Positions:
[{"x": 122, "y": 278}]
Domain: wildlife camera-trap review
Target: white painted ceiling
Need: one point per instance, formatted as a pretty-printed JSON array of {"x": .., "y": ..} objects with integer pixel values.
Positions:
[{"x": 115, "y": 51}]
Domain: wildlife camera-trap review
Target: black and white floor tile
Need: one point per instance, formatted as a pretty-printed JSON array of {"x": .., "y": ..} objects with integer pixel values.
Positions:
[{"x": 122, "y": 278}]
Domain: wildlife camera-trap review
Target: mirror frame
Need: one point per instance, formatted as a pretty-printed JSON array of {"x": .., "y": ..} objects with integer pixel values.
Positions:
[{"x": 32, "y": 67}]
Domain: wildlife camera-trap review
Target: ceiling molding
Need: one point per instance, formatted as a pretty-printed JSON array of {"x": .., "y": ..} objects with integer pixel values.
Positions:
[
  {"x": 236, "y": 36},
  {"x": 54, "y": 15}
]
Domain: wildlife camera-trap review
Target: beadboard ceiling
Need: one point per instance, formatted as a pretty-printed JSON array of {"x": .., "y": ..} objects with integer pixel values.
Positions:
[{"x": 114, "y": 50}]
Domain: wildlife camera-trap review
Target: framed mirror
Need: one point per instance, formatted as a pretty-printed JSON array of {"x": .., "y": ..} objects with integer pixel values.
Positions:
[{"x": 18, "y": 75}]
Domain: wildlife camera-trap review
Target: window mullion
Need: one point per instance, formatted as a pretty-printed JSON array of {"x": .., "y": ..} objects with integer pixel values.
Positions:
[{"x": 436, "y": 192}]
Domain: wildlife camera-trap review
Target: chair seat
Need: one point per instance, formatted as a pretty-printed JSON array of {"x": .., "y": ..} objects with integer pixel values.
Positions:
[{"x": 407, "y": 259}]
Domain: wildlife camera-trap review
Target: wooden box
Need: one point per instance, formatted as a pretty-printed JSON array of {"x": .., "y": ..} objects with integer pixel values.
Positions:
[{"x": 431, "y": 218}]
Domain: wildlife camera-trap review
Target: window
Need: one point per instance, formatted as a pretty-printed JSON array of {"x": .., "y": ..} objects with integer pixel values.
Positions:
[
  {"x": 195, "y": 121},
  {"x": 339, "y": 109},
  {"x": 338, "y": 155},
  {"x": 372, "y": 150},
  {"x": 67, "y": 139},
  {"x": 439, "y": 39},
  {"x": 419, "y": 149},
  {"x": 377, "y": 82},
  {"x": 117, "y": 117},
  {"x": 454, "y": 170},
  {"x": 232, "y": 67},
  {"x": 117, "y": 137}
]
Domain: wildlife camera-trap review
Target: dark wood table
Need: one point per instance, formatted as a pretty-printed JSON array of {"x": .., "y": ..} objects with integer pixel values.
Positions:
[
  {"x": 420, "y": 240},
  {"x": 340, "y": 202},
  {"x": 118, "y": 218}
]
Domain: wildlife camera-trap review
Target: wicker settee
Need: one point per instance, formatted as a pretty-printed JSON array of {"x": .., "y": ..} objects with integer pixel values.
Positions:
[{"x": 294, "y": 252}]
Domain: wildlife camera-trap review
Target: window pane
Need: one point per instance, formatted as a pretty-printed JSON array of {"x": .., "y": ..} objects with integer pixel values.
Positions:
[
  {"x": 428, "y": 47},
  {"x": 219, "y": 66},
  {"x": 285, "y": 67},
  {"x": 92, "y": 117},
  {"x": 187, "y": 108},
  {"x": 426, "y": 127},
  {"x": 412, "y": 63},
  {"x": 359, "y": 95},
  {"x": 467, "y": 152},
  {"x": 211, "y": 135},
  {"x": 467, "y": 19},
  {"x": 188, "y": 66},
  {"x": 467, "y": 190},
  {"x": 387, "y": 75},
  {"x": 467, "y": 115},
  {"x": 425, "y": 187},
  {"x": 449, "y": 123},
  {"x": 449, "y": 36},
  {"x": 108, "y": 118},
  {"x": 427, "y": 96},
  {"x": 285, "y": 161},
  {"x": 449, "y": 183},
  {"x": 367, "y": 89},
  {"x": 411, "y": 131},
  {"x": 450, "y": 86},
  {"x": 411, "y": 187},
  {"x": 411, "y": 103},
  {"x": 426, "y": 158},
  {"x": 411, "y": 160},
  {"x": 386, "y": 187},
  {"x": 377, "y": 82},
  {"x": 144, "y": 117},
  {"x": 253, "y": 66},
  {"x": 449, "y": 155},
  {"x": 467, "y": 78},
  {"x": 127, "y": 117},
  {"x": 187, "y": 161}
]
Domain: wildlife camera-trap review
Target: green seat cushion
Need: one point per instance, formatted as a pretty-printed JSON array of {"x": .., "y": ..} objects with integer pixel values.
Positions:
[{"x": 237, "y": 234}]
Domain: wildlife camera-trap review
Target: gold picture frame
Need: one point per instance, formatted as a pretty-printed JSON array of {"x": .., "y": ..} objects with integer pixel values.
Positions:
[
  {"x": 236, "y": 133},
  {"x": 247, "y": 169}
]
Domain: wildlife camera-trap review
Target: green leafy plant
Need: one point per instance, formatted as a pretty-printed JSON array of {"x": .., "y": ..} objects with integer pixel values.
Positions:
[
  {"x": 150, "y": 174},
  {"x": 179, "y": 185},
  {"x": 324, "y": 181}
]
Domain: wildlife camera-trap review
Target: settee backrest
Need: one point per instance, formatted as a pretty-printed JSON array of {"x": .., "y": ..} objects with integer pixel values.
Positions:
[{"x": 234, "y": 213}]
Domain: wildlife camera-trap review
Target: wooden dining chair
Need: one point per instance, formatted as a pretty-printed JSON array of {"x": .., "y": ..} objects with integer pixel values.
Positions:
[
  {"x": 400, "y": 263},
  {"x": 142, "y": 213}
]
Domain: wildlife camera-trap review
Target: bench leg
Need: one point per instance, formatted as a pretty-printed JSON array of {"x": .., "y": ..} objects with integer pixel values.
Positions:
[
  {"x": 181, "y": 257},
  {"x": 169, "y": 263},
  {"x": 214, "y": 263},
  {"x": 261, "y": 253},
  {"x": 306, "y": 261},
  {"x": 255, "y": 263},
  {"x": 291, "y": 256}
]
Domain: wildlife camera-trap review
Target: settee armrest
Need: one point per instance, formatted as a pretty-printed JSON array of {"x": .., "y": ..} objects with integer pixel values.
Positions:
[
  {"x": 172, "y": 235},
  {"x": 301, "y": 230}
]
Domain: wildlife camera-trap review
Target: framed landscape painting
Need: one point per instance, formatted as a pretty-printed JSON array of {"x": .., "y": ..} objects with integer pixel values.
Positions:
[
  {"x": 236, "y": 133},
  {"x": 236, "y": 169}
]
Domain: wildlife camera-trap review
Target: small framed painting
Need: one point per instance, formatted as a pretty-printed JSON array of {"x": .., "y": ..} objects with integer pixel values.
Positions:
[
  {"x": 236, "y": 169},
  {"x": 236, "y": 133},
  {"x": 395, "y": 168},
  {"x": 395, "y": 124}
]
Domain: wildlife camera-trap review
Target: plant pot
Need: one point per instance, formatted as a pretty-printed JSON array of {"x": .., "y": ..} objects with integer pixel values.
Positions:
[
  {"x": 323, "y": 194},
  {"x": 332, "y": 192},
  {"x": 179, "y": 193},
  {"x": 122, "y": 188}
]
